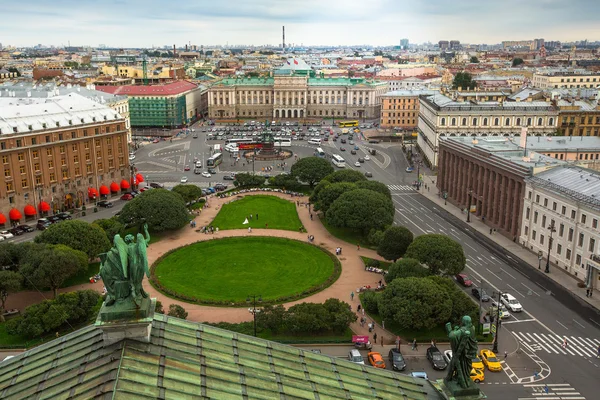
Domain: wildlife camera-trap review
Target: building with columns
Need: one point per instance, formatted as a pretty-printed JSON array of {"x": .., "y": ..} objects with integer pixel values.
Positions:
[
  {"x": 441, "y": 116},
  {"x": 487, "y": 176},
  {"x": 295, "y": 93},
  {"x": 565, "y": 199}
]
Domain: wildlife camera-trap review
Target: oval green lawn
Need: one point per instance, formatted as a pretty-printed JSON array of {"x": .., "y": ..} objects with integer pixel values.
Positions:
[
  {"x": 272, "y": 210},
  {"x": 230, "y": 269}
]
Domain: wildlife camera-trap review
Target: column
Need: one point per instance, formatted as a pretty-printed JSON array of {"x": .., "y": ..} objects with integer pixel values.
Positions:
[
  {"x": 489, "y": 192},
  {"x": 457, "y": 176},
  {"x": 509, "y": 198},
  {"x": 503, "y": 201},
  {"x": 517, "y": 209},
  {"x": 496, "y": 203}
]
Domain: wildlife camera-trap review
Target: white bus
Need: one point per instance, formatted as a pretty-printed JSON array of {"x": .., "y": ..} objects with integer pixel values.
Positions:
[
  {"x": 338, "y": 161},
  {"x": 216, "y": 148},
  {"x": 239, "y": 140},
  {"x": 314, "y": 141},
  {"x": 283, "y": 142},
  {"x": 319, "y": 152}
]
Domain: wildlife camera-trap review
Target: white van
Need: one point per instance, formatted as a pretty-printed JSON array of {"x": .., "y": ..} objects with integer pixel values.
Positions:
[
  {"x": 314, "y": 141},
  {"x": 355, "y": 356},
  {"x": 231, "y": 148}
]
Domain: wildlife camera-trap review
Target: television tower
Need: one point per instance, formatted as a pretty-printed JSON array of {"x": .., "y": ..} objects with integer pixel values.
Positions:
[{"x": 283, "y": 43}]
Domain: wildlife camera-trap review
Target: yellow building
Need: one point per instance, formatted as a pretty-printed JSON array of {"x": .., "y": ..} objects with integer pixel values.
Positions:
[{"x": 566, "y": 80}]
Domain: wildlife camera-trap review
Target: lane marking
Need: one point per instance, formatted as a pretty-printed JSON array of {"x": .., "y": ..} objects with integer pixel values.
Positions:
[
  {"x": 515, "y": 290},
  {"x": 533, "y": 291},
  {"x": 519, "y": 320},
  {"x": 562, "y": 325},
  {"x": 488, "y": 270},
  {"x": 578, "y": 324}
]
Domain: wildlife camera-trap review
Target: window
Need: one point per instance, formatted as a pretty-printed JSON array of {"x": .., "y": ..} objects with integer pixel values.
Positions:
[
  {"x": 543, "y": 221},
  {"x": 485, "y": 122},
  {"x": 528, "y": 121},
  {"x": 564, "y": 210},
  {"x": 74, "y": 147},
  {"x": 541, "y": 239},
  {"x": 86, "y": 145},
  {"x": 62, "y": 149},
  {"x": 583, "y": 218},
  {"x": 52, "y": 177},
  {"x": 554, "y": 205},
  {"x": 7, "y": 172},
  {"x": 558, "y": 249},
  {"x": 535, "y": 217},
  {"x": 540, "y": 120},
  {"x": 581, "y": 239},
  {"x": 9, "y": 187},
  {"x": 526, "y": 230},
  {"x": 35, "y": 154},
  {"x": 453, "y": 122},
  {"x": 507, "y": 121},
  {"x": 518, "y": 121},
  {"x": 87, "y": 156},
  {"x": 570, "y": 237},
  {"x": 50, "y": 164},
  {"x": 474, "y": 122},
  {"x": 38, "y": 180},
  {"x": 545, "y": 202},
  {"x": 496, "y": 121},
  {"x": 572, "y": 214},
  {"x": 21, "y": 156},
  {"x": 527, "y": 213},
  {"x": 65, "y": 174},
  {"x": 88, "y": 168},
  {"x": 24, "y": 182},
  {"x": 49, "y": 152},
  {"x": 594, "y": 223},
  {"x": 529, "y": 195},
  {"x": 551, "y": 122},
  {"x": 592, "y": 245},
  {"x": 4, "y": 159},
  {"x": 36, "y": 166},
  {"x": 464, "y": 122},
  {"x": 19, "y": 143},
  {"x": 3, "y": 145},
  {"x": 568, "y": 254},
  {"x": 75, "y": 158},
  {"x": 22, "y": 169},
  {"x": 561, "y": 230},
  {"x": 533, "y": 234},
  {"x": 60, "y": 135},
  {"x": 99, "y": 165},
  {"x": 537, "y": 198},
  {"x": 578, "y": 259},
  {"x": 77, "y": 171},
  {"x": 98, "y": 154}
]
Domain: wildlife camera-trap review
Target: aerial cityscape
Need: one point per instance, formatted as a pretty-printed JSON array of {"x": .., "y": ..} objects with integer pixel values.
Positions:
[{"x": 300, "y": 200}]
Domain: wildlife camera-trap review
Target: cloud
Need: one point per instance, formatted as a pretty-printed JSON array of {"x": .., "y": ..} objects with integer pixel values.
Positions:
[{"x": 137, "y": 23}]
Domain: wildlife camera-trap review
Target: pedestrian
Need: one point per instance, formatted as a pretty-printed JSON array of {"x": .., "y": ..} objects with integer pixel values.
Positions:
[
  {"x": 311, "y": 218},
  {"x": 380, "y": 282},
  {"x": 382, "y": 324},
  {"x": 432, "y": 343},
  {"x": 249, "y": 229},
  {"x": 352, "y": 296},
  {"x": 505, "y": 355},
  {"x": 57, "y": 335},
  {"x": 490, "y": 231},
  {"x": 374, "y": 337},
  {"x": 298, "y": 203},
  {"x": 587, "y": 292},
  {"x": 382, "y": 341},
  {"x": 250, "y": 216},
  {"x": 358, "y": 246},
  {"x": 598, "y": 351},
  {"x": 564, "y": 345},
  {"x": 257, "y": 216},
  {"x": 358, "y": 308},
  {"x": 363, "y": 311},
  {"x": 546, "y": 388},
  {"x": 414, "y": 344},
  {"x": 267, "y": 225}
]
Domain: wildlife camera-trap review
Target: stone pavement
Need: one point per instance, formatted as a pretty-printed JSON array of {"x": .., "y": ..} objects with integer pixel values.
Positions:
[
  {"x": 558, "y": 275},
  {"x": 352, "y": 277}
]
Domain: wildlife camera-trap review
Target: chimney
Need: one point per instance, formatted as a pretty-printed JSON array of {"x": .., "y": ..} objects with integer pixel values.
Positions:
[{"x": 174, "y": 52}]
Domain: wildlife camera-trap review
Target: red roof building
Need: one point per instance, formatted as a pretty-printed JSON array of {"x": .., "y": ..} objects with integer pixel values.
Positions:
[{"x": 169, "y": 89}]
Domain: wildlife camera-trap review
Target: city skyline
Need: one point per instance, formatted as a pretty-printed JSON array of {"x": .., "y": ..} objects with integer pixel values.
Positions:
[{"x": 120, "y": 23}]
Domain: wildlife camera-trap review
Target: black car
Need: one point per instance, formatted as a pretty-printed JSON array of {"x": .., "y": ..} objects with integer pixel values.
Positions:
[
  {"x": 43, "y": 224},
  {"x": 16, "y": 231},
  {"x": 156, "y": 185},
  {"x": 105, "y": 204},
  {"x": 64, "y": 216},
  {"x": 212, "y": 171},
  {"x": 25, "y": 228},
  {"x": 480, "y": 293},
  {"x": 220, "y": 187},
  {"x": 343, "y": 140},
  {"x": 396, "y": 360},
  {"x": 369, "y": 174},
  {"x": 229, "y": 178},
  {"x": 436, "y": 358},
  {"x": 54, "y": 219}
]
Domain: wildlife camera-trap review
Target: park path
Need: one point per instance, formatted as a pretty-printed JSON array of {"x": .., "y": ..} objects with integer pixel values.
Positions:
[{"x": 352, "y": 277}]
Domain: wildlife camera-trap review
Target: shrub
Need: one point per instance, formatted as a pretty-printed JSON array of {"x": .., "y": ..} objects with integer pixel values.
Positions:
[{"x": 369, "y": 302}]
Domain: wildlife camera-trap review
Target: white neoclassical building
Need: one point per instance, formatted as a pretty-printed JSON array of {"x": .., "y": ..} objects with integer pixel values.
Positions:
[
  {"x": 440, "y": 115},
  {"x": 566, "y": 198}
]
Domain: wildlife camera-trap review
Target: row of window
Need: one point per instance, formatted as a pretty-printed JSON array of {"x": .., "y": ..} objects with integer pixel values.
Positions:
[
  {"x": 22, "y": 142},
  {"x": 590, "y": 120},
  {"x": 398, "y": 121},
  {"x": 580, "y": 243},
  {"x": 496, "y": 122},
  {"x": 563, "y": 211}
]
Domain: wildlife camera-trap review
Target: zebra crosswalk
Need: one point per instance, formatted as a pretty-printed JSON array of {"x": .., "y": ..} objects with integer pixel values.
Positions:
[
  {"x": 552, "y": 391},
  {"x": 401, "y": 188},
  {"x": 553, "y": 344}
]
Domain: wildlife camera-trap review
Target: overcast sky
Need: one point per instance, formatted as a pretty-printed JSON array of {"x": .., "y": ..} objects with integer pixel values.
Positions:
[{"x": 137, "y": 23}]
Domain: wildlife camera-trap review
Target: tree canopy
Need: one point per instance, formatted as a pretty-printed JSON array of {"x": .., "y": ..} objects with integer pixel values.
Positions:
[
  {"x": 440, "y": 253},
  {"x": 474, "y": 60},
  {"x": 517, "y": 61},
  {"x": 330, "y": 193},
  {"x": 188, "y": 192},
  {"x": 463, "y": 80},
  {"x": 175, "y": 310},
  {"x": 394, "y": 243},
  {"x": 10, "y": 282},
  {"x": 53, "y": 265},
  {"x": 248, "y": 180},
  {"x": 406, "y": 268},
  {"x": 78, "y": 235},
  {"x": 462, "y": 304},
  {"x": 311, "y": 169},
  {"x": 111, "y": 226},
  {"x": 414, "y": 304},
  {"x": 161, "y": 209},
  {"x": 361, "y": 209},
  {"x": 376, "y": 187},
  {"x": 345, "y": 175}
]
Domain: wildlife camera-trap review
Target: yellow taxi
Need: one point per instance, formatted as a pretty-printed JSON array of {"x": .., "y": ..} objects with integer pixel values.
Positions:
[
  {"x": 476, "y": 363},
  {"x": 376, "y": 360},
  {"x": 489, "y": 359},
  {"x": 477, "y": 375}
]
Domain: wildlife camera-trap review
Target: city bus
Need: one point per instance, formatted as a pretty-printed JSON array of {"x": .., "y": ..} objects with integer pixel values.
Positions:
[
  {"x": 319, "y": 152},
  {"x": 214, "y": 160},
  {"x": 338, "y": 161},
  {"x": 282, "y": 142},
  {"x": 239, "y": 140},
  {"x": 346, "y": 124}
]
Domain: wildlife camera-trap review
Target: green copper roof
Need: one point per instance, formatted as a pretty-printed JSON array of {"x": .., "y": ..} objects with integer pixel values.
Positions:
[
  {"x": 246, "y": 82},
  {"x": 186, "y": 360}
]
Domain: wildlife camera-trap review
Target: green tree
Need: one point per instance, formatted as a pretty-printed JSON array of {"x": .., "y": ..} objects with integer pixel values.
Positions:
[
  {"x": 175, "y": 310},
  {"x": 517, "y": 61},
  {"x": 463, "y": 80},
  {"x": 10, "y": 282},
  {"x": 340, "y": 315},
  {"x": 311, "y": 170},
  {"x": 414, "y": 304},
  {"x": 462, "y": 304},
  {"x": 111, "y": 226},
  {"x": 158, "y": 307},
  {"x": 345, "y": 175},
  {"x": 406, "y": 268},
  {"x": 394, "y": 243},
  {"x": 286, "y": 181},
  {"x": 10, "y": 253},
  {"x": 79, "y": 235},
  {"x": 248, "y": 180},
  {"x": 440, "y": 253},
  {"x": 362, "y": 210},
  {"x": 369, "y": 302},
  {"x": 376, "y": 187},
  {"x": 375, "y": 237},
  {"x": 330, "y": 193},
  {"x": 188, "y": 193},
  {"x": 307, "y": 318},
  {"x": 161, "y": 209},
  {"x": 52, "y": 266},
  {"x": 272, "y": 318},
  {"x": 474, "y": 60}
]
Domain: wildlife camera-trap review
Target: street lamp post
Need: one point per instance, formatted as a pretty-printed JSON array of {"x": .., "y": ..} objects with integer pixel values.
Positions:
[
  {"x": 469, "y": 194},
  {"x": 540, "y": 257},
  {"x": 253, "y": 310},
  {"x": 495, "y": 348},
  {"x": 552, "y": 229}
]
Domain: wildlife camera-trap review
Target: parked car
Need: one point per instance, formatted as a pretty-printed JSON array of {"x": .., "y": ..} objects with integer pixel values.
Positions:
[
  {"x": 357, "y": 164},
  {"x": 479, "y": 293},
  {"x": 183, "y": 179},
  {"x": 220, "y": 186},
  {"x": 353, "y": 152},
  {"x": 156, "y": 185},
  {"x": 186, "y": 168},
  {"x": 397, "y": 360},
  {"x": 463, "y": 280},
  {"x": 16, "y": 231},
  {"x": 206, "y": 174},
  {"x": 212, "y": 171},
  {"x": 369, "y": 174},
  {"x": 229, "y": 178},
  {"x": 342, "y": 149},
  {"x": 64, "y": 216},
  {"x": 477, "y": 375},
  {"x": 477, "y": 363},
  {"x": 376, "y": 360},
  {"x": 6, "y": 234},
  {"x": 490, "y": 361},
  {"x": 53, "y": 219},
  {"x": 142, "y": 190},
  {"x": 510, "y": 302},
  {"x": 355, "y": 356},
  {"x": 436, "y": 359},
  {"x": 43, "y": 224},
  {"x": 25, "y": 228},
  {"x": 419, "y": 374},
  {"x": 104, "y": 204},
  {"x": 343, "y": 140},
  {"x": 126, "y": 197}
]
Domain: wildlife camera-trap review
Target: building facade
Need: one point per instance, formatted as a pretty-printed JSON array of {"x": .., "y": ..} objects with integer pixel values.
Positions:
[
  {"x": 295, "y": 97},
  {"x": 400, "y": 109},
  {"x": 557, "y": 80},
  {"x": 579, "y": 117},
  {"x": 565, "y": 200},
  {"x": 59, "y": 153},
  {"x": 441, "y": 116},
  {"x": 171, "y": 105}
]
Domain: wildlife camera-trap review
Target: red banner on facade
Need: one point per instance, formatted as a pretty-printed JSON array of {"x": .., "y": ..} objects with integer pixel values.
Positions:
[{"x": 250, "y": 146}]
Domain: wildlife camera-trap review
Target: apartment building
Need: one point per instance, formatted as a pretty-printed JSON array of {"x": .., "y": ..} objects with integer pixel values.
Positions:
[
  {"x": 400, "y": 108},
  {"x": 58, "y": 153},
  {"x": 558, "y": 80}
]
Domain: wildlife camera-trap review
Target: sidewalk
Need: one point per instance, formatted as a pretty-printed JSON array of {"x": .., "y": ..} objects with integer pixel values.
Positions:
[{"x": 557, "y": 275}]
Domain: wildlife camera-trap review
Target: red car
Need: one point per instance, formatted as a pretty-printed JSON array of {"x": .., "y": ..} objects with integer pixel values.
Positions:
[
  {"x": 126, "y": 196},
  {"x": 463, "y": 280},
  {"x": 187, "y": 168},
  {"x": 155, "y": 141}
]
